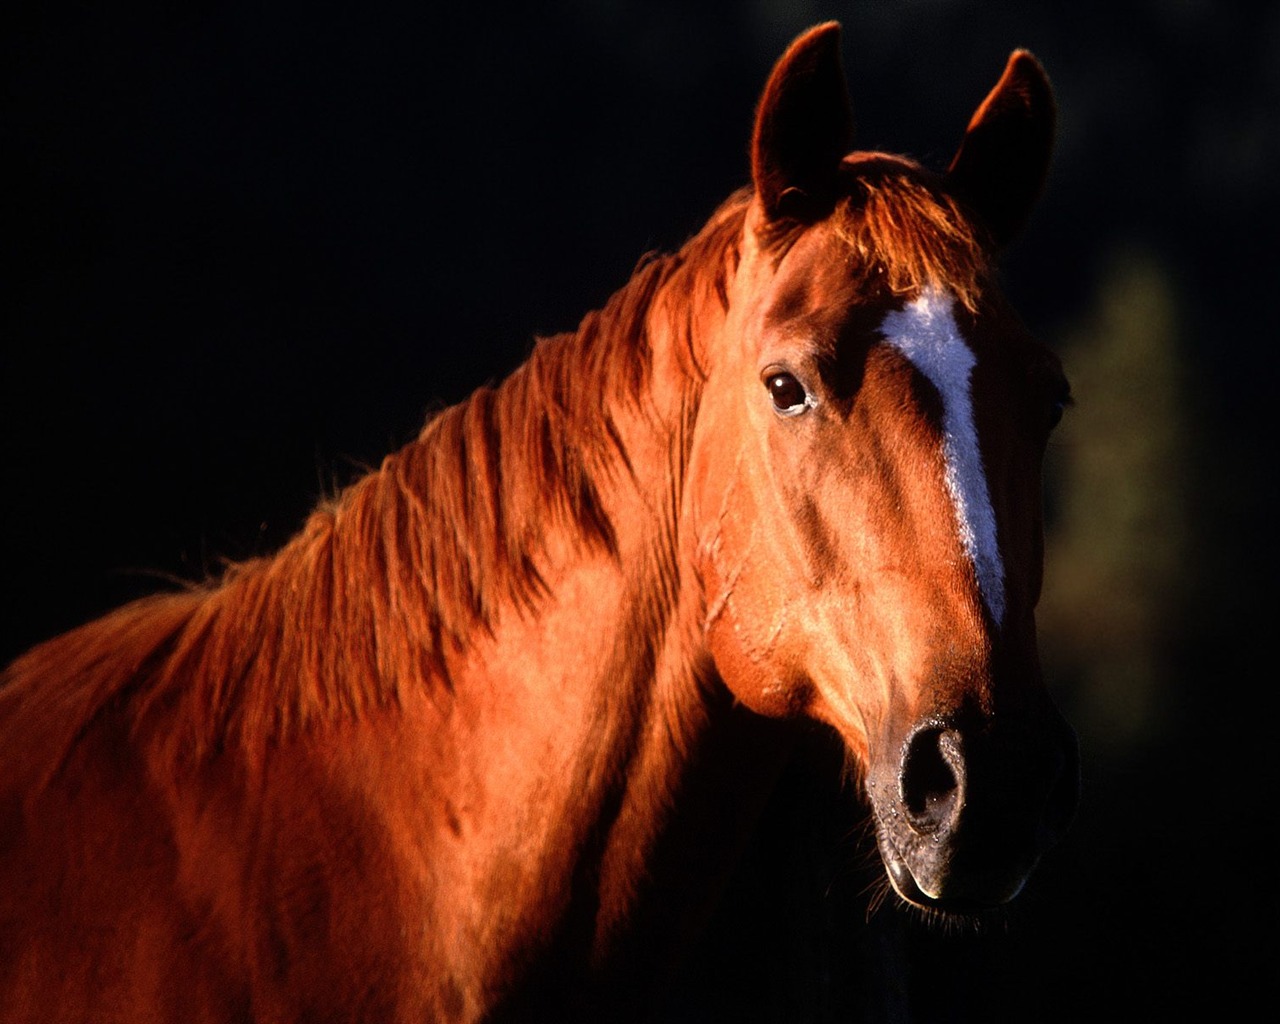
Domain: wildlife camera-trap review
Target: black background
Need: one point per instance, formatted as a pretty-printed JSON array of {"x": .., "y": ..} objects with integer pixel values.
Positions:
[{"x": 246, "y": 248}]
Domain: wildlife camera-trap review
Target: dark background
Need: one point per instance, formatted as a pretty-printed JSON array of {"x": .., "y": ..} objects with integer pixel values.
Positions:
[{"x": 246, "y": 248}]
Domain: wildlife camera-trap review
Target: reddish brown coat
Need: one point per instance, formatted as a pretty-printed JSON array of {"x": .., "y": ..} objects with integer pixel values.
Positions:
[{"x": 483, "y": 737}]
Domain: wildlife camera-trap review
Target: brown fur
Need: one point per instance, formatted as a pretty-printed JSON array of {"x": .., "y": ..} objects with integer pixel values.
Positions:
[
  {"x": 904, "y": 228},
  {"x": 365, "y": 599},
  {"x": 464, "y": 745}
]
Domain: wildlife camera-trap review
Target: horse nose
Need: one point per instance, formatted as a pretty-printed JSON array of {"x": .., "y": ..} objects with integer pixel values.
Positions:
[
  {"x": 945, "y": 768},
  {"x": 979, "y": 804},
  {"x": 932, "y": 780}
]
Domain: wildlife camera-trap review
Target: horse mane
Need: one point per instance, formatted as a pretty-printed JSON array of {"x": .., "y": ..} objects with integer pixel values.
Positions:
[{"x": 384, "y": 581}]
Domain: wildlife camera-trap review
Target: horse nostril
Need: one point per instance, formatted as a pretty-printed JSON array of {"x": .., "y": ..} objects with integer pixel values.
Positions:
[{"x": 932, "y": 779}]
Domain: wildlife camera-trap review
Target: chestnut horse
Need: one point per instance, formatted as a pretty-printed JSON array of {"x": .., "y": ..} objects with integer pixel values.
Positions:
[{"x": 479, "y": 742}]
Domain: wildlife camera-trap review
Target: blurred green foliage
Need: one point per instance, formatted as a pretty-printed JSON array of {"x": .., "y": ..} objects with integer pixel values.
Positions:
[{"x": 1120, "y": 564}]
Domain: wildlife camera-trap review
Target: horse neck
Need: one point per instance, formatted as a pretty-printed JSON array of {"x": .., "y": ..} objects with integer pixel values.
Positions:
[
  {"x": 491, "y": 519},
  {"x": 571, "y": 631},
  {"x": 578, "y": 457}
]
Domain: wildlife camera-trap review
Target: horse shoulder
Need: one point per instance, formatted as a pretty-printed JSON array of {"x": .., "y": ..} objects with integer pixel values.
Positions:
[
  {"x": 172, "y": 886},
  {"x": 90, "y": 924},
  {"x": 347, "y": 825}
]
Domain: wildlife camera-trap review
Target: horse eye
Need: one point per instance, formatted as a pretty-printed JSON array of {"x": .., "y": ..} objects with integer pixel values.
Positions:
[
  {"x": 788, "y": 394},
  {"x": 1055, "y": 412},
  {"x": 1059, "y": 405}
]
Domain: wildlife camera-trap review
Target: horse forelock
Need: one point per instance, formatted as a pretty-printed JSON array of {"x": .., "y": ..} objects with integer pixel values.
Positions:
[{"x": 905, "y": 232}]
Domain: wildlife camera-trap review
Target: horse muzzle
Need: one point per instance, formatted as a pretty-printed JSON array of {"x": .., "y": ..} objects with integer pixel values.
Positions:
[{"x": 966, "y": 808}]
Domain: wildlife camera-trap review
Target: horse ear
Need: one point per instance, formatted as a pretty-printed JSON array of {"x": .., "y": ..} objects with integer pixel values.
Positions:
[
  {"x": 1003, "y": 159},
  {"x": 804, "y": 127}
]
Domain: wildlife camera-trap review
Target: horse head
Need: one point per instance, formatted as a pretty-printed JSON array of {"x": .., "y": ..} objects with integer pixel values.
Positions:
[{"x": 865, "y": 477}]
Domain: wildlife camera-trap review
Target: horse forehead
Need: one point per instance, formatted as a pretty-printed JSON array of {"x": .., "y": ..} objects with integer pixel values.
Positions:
[
  {"x": 926, "y": 333},
  {"x": 925, "y": 330},
  {"x": 816, "y": 292}
]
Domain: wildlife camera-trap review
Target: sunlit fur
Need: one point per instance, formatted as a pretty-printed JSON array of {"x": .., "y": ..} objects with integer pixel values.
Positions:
[
  {"x": 460, "y": 748},
  {"x": 449, "y": 531},
  {"x": 906, "y": 230}
]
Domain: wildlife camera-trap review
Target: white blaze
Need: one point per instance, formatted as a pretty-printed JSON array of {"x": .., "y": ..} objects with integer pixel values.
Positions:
[{"x": 925, "y": 332}]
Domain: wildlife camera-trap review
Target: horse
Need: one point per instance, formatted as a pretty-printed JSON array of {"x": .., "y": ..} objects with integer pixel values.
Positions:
[{"x": 481, "y": 741}]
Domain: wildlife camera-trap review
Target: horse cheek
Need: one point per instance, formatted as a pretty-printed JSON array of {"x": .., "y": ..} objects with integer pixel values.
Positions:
[{"x": 747, "y": 608}]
